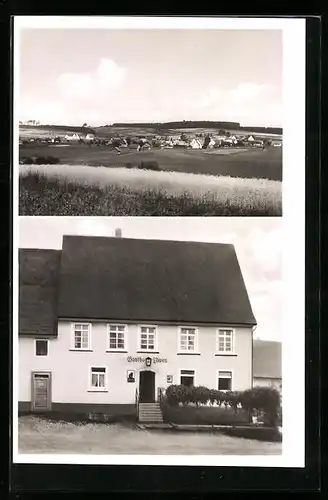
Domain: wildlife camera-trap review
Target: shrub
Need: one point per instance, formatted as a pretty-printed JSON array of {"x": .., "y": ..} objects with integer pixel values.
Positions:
[
  {"x": 176, "y": 394},
  {"x": 41, "y": 160},
  {"x": 45, "y": 160},
  {"x": 27, "y": 161},
  {"x": 262, "y": 400},
  {"x": 149, "y": 165},
  {"x": 52, "y": 160},
  {"x": 204, "y": 415},
  {"x": 232, "y": 399},
  {"x": 213, "y": 396},
  {"x": 200, "y": 395}
]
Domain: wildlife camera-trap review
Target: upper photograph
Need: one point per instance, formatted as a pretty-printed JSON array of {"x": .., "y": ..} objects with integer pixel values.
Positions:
[{"x": 141, "y": 121}]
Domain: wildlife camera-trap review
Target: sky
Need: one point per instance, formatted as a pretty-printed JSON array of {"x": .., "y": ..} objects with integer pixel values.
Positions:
[
  {"x": 97, "y": 76},
  {"x": 258, "y": 244}
]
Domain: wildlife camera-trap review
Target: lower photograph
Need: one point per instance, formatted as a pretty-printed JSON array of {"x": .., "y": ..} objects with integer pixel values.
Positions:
[{"x": 148, "y": 336}]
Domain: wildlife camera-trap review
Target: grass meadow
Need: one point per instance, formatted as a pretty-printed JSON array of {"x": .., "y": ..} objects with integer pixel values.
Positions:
[
  {"x": 231, "y": 162},
  {"x": 61, "y": 190}
]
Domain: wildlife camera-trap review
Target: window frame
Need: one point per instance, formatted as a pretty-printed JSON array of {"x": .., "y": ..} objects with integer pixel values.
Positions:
[
  {"x": 141, "y": 349},
  {"x": 233, "y": 342},
  {"x": 97, "y": 389},
  {"x": 196, "y": 343},
  {"x": 73, "y": 328},
  {"x": 110, "y": 349},
  {"x": 44, "y": 340},
  {"x": 217, "y": 379},
  {"x": 187, "y": 369}
]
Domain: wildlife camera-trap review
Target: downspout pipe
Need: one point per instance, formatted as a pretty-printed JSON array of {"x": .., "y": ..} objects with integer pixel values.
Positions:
[{"x": 252, "y": 373}]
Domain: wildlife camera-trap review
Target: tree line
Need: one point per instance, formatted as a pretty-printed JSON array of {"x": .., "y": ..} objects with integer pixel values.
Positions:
[{"x": 201, "y": 124}]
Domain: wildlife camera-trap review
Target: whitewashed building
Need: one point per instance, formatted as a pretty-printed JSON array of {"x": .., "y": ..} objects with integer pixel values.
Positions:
[
  {"x": 105, "y": 323},
  {"x": 195, "y": 144},
  {"x": 72, "y": 138},
  {"x": 90, "y": 137}
]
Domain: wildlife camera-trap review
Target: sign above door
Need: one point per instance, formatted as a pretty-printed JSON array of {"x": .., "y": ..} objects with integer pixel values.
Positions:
[{"x": 141, "y": 359}]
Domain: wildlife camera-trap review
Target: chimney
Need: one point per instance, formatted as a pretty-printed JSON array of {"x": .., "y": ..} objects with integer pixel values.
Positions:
[{"x": 118, "y": 233}]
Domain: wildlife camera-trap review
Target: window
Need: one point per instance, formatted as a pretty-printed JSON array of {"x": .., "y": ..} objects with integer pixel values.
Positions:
[
  {"x": 225, "y": 381},
  {"x": 116, "y": 334},
  {"x": 187, "y": 377},
  {"x": 81, "y": 336},
  {"x": 224, "y": 341},
  {"x": 98, "y": 379},
  {"x": 187, "y": 339},
  {"x": 41, "y": 347},
  {"x": 147, "y": 338}
]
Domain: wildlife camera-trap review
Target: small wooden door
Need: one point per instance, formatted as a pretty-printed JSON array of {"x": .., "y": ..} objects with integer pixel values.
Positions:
[{"x": 41, "y": 391}]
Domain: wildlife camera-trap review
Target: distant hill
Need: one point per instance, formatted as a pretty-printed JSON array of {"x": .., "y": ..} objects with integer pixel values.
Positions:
[
  {"x": 144, "y": 129},
  {"x": 201, "y": 124},
  {"x": 69, "y": 128}
]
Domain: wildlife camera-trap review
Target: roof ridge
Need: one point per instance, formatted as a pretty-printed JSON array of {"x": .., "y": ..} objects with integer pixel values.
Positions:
[{"x": 112, "y": 237}]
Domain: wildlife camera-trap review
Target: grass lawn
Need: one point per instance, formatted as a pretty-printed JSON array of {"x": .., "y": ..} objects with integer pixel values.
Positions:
[
  {"x": 86, "y": 191},
  {"x": 38, "y": 435},
  {"x": 253, "y": 163}
]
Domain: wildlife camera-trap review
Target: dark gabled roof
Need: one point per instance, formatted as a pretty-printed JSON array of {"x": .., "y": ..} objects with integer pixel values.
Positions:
[
  {"x": 266, "y": 359},
  {"x": 38, "y": 286},
  {"x": 151, "y": 280}
]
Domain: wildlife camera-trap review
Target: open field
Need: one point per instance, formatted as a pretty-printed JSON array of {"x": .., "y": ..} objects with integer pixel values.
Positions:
[
  {"x": 102, "y": 132},
  {"x": 232, "y": 162},
  {"x": 89, "y": 191},
  {"x": 43, "y": 436}
]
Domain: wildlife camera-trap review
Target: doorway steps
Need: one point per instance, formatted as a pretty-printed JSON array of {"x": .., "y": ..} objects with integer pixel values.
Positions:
[{"x": 150, "y": 412}]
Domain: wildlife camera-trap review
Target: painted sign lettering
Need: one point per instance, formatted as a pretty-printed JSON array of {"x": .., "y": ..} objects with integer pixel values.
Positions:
[{"x": 140, "y": 359}]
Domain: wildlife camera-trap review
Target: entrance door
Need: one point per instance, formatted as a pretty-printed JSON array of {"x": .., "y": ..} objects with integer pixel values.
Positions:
[
  {"x": 146, "y": 386},
  {"x": 41, "y": 391}
]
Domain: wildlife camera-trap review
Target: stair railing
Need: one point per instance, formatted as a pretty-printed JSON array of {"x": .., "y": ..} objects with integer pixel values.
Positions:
[{"x": 137, "y": 402}]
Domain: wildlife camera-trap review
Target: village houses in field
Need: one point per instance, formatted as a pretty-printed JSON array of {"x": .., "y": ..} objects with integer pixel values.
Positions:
[{"x": 106, "y": 324}]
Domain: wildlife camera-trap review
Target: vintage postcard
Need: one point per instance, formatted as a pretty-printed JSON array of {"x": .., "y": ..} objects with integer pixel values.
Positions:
[{"x": 161, "y": 340}]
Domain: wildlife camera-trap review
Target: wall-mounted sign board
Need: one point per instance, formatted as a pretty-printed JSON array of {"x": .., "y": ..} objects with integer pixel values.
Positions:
[
  {"x": 131, "y": 376},
  {"x": 141, "y": 359}
]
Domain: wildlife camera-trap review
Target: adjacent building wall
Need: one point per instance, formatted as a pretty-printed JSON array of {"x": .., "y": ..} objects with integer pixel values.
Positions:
[{"x": 268, "y": 382}]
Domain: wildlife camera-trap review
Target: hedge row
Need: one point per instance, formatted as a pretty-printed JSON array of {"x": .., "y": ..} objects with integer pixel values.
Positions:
[
  {"x": 258, "y": 400},
  {"x": 205, "y": 415},
  {"x": 40, "y": 160}
]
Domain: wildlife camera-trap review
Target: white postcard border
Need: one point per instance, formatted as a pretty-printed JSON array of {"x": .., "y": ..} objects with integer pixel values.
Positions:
[{"x": 293, "y": 225}]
